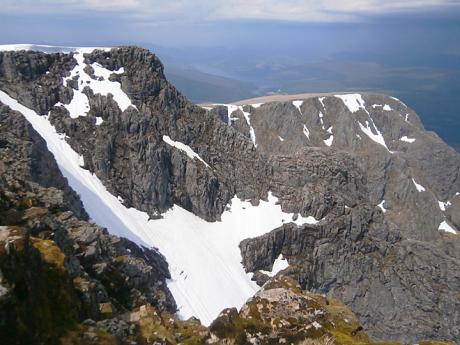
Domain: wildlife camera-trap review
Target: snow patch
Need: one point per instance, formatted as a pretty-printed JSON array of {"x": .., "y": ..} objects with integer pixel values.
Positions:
[
  {"x": 407, "y": 139},
  {"x": 354, "y": 102},
  {"x": 321, "y": 115},
  {"x": 230, "y": 109},
  {"x": 79, "y": 105},
  {"x": 252, "y": 133},
  {"x": 184, "y": 148},
  {"x": 378, "y": 138},
  {"x": 298, "y": 104},
  {"x": 384, "y": 210},
  {"x": 321, "y": 100},
  {"x": 99, "y": 121},
  {"x": 329, "y": 141},
  {"x": 257, "y": 105},
  {"x": 444, "y": 226},
  {"x": 444, "y": 205},
  {"x": 419, "y": 187},
  {"x": 279, "y": 265},
  {"x": 280, "y": 138},
  {"x": 202, "y": 251},
  {"x": 306, "y": 132},
  {"x": 386, "y": 107}
]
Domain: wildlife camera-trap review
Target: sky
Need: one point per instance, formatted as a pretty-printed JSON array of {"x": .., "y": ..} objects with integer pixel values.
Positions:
[
  {"x": 408, "y": 48},
  {"x": 185, "y": 22}
]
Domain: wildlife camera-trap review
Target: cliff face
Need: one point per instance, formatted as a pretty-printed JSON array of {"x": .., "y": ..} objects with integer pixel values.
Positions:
[
  {"x": 377, "y": 185},
  {"x": 57, "y": 268}
]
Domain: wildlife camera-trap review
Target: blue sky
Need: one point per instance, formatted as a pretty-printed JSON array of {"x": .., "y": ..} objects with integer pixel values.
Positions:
[{"x": 187, "y": 22}]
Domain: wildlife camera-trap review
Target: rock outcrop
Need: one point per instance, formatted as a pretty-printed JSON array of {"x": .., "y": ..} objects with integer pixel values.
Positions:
[{"x": 57, "y": 268}]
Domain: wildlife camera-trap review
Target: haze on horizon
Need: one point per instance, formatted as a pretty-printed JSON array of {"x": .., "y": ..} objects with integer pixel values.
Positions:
[{"x": 227, "y": 50}]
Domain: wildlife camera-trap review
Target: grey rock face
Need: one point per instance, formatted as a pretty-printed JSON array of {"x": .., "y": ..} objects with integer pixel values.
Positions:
[
  {"x": 388, "y": 281},
  {"x": 26, "y": 157},
  {"x": 34, "y": 196},
  {"x": 411, "y": 153}
]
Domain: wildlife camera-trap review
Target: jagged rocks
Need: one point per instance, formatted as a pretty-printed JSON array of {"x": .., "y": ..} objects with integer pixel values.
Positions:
[
  {"x": 372, "y": 271},
  {"x": 377, "y": 202},
  {"x": 40, "y": 303},
  {"x": 281, "y": 313},
  {"x": 57, "y": 268}
]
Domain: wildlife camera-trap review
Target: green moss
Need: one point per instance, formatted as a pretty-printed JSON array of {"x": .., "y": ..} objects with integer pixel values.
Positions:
[
  {"x": 49, "y": 252},
  {"x": 43, "y": 304}
]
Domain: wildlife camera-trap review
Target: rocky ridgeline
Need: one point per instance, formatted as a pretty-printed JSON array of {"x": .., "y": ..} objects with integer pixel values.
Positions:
[
  {"x": 384, "y": 139},
  {"x": 390, "y": 264}
]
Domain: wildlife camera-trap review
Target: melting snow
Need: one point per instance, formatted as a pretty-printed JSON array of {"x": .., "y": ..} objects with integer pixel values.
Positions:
[
  {"x": 202, "y": 251},
  {"x": 378, "y": 138},
  {"x": 329, "y": 141},
  {"x": 247, "y": 116},
  {"x": 230, "y": 109},
  {"x": 279, "y": 265},
  {"x": 386, "y": 107},
  {"x": 407, "y": 140},
  {"x": 306, "y": 131},
  {"x": 184, "y": 148},
  {"x": 280, "y": 138},
  {"x": 444, "y": 205},
  {"x": 381, "y": 206},
  {"x": 321, "y": 115},
  {"x": 298, "y": 104},
  {"x": 444, "y": 226},
  {"x": 353, "y": 102},
  {"x": 419, "y": 187},
  {"x": 257, "y": 105},
  {"x": 79, "y": 105},
  {"x": 321, "y": 100}
]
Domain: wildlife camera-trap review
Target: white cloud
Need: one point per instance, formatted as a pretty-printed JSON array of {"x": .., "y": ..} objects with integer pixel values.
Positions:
[{"x": 289, "y": 10}]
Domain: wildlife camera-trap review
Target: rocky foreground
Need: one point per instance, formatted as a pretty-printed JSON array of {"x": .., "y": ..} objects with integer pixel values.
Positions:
[{"x": 383, "y": 191}]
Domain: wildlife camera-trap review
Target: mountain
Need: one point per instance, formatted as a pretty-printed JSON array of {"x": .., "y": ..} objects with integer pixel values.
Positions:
[{"x": 344, "y": 194}]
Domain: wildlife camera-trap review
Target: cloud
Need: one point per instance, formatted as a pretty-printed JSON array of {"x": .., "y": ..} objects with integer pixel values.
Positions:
[{"x": 193, "y": 10}]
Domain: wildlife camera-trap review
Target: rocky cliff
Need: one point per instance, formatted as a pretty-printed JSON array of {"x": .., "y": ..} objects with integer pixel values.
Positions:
[
  {"x": 56, "y": 267},
  {"x": 368, "y": 192}
]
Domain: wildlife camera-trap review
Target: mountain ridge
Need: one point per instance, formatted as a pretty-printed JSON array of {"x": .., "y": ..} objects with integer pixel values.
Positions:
[{"x": 336, "y": 185}]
